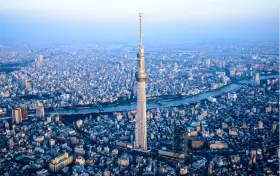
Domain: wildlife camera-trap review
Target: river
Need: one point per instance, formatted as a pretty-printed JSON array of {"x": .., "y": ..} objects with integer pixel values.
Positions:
[
  {"x": 175, "y": 102},
  {"x": 228, "y": 88}
]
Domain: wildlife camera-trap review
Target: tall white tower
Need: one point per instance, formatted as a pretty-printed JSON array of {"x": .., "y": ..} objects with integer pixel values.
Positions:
[{"x": 141, "y": 76}]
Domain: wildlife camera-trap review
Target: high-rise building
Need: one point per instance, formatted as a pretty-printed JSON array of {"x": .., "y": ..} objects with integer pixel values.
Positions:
[
  {"x": 180, "y": 140},
  {"x": 141, "y": 76},
  {"x": 24, "y": 112},
  {"x": 23, "y": 81},
  {"x": 190, "y": 75},
  {"x": 207, "y": 63},
  {"x": 221, "y": 64},
  {"x": 40, "y": 58},
  {"x": 175, "y": 67},
  {"x": 40, "y": 112},
  {"x": 28, "y": 85},
  {"x": 232, "y": 71},
  {"x": 256, "y": 79},
  {"x": 17, "y": 115}
]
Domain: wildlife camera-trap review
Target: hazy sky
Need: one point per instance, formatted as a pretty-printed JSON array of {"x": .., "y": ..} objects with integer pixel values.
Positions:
[{"x": 117, "y": 20}]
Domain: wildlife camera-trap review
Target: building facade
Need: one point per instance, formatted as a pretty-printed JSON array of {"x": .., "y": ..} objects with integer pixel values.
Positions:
[
  {"x": 17, "y": 115},
  {"x": 60, "y": 162},
  {"x": 40, "y": 112}
]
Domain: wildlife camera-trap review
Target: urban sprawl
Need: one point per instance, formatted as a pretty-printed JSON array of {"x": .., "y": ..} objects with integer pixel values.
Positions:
[{"x": 233, "y": 133}]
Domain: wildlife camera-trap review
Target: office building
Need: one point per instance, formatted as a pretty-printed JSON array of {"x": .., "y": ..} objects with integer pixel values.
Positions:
[
  {"x": 207, "y": 63},
  {"x": 28, "y": 85},
  {"x": 141, "y": 76},
  {"x": 221, "y": 64},
  {"x": 256, "y": 80},
  {"x": 23, "y": 81},
  {"x": 40, "y": 112},
  {"x": 40, "y": 58},
  {"x": 180, "y": 140},
  {"x": 60, "y": 162},
  {"x": 179, "y": 148},
  {"x": 17, "y": 115},
  {"x": 24, "y": 112}
]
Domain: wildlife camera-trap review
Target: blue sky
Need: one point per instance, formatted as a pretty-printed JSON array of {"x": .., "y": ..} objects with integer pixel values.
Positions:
[{"x": 117, "y": 20}]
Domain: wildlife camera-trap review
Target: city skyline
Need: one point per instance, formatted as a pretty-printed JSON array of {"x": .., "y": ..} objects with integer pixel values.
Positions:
[
  {"x": 92, "y": 21},
  {"x": 78, "y": 97}
]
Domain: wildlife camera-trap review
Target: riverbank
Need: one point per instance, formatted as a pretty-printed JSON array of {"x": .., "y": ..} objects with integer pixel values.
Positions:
[
  {"x": 155, "y": 104},
  {"x": 173, "y": 102}
]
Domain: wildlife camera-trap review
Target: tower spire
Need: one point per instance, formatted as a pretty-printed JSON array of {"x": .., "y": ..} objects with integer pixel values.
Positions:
[{"x": 140, "y": 17}]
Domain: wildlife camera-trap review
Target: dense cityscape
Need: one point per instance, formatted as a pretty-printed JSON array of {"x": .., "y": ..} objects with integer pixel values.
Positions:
[
  {"x": 236, "y": 132},
  {"x": 80, "y": 75},
  {"x": 199, "y": 107}
]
